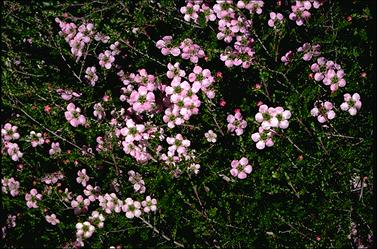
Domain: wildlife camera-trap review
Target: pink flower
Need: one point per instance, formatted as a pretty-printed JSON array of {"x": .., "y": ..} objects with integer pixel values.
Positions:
[
  {"x": 131, "y": 208},
  {"x": 241, "y": 168},
  {"x": 82, "y": 178},
  {"x": 106, "y": 59},
  {"x": 80, "y": 204},
  {"x": 287, "y": 58},
  {"x": 73, "y": 115},
  {"x": 10, "y": 185},
  {"x": 190, "y": 11},
  {"x": 309, "y": 51},
  {"x": 275, "y": 17},
  {"x": 236, "y": 123},
  {"x": 52, "y": 219},
  {"x": 68, "y": 94},
  {"x": 13, "y": 150},
  {"x": 262, "y": 138},
  {"x": 149, "y": 204},
  {"x": 90, "y": 74},
  {"x": 9, "y": 132},
  {"x": 175, "y": 72},
  {"x": 36, "y": 139},
  {"x": 166, "y": 46},
  {"x": 334, "y": 79},
  {"x": 351, "y": 103},
  {"x": 299, "y": 13},
  {"x": 323, "y": 111},
  {"x": 32, "y": 198},
  {"x": 55, "y": 148}
]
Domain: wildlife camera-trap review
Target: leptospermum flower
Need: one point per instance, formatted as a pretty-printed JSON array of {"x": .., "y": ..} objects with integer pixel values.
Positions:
[
  {"x": 36, "y": 139},
  {"x": 55, "y": 148},
  {"x": 210, "y": 136},
  {"x": 190, "y": 11},
  {"x": 32, "y": 198},
  {"x": 9, "y": 132},
  {"x": 80, "y": 204},
  {"x": 10, "y": 185},
  {"x": 351, "y": 103},
  {"x": 131, "y": 208},
  {"x": 262, "y": 138},
  {"x": 323, "y": 111},
  {"x": 200, "y": 78},
  {"x": 106, "y": 59},
  {"x": 178, "y": 144},
  {"x": 52, "y": 219},
  {"x": 194, "y": 167},
  {"x": 13, "y": 151},
  {"x": 272, "y": 117},
  {"x": 99, "y": 111},
  {"x": 335, "y": 79},
  {"x": 241, "y": 168},
  {"x": 309, "y": 51},
  {"x": 97, "y": 219},
  {"x": 141, "y": 100},
  {"x": 175, "y": 72},
  {"x": 73, "y": 115},
  {"x": 149, "y": 204},
  {"x": 90, "y": 74},
  {"x": 287, "y": 58},
  {"x": 276, "y": 19},
  {"x": 166, "y": 46},
  {"x": 236, "y": 123},
  {"x": 68, "y": 94},
  {"x": 84, "y": 230},
  {"x": 299, "y": 13},
  {"x": 82, "y": 178}
]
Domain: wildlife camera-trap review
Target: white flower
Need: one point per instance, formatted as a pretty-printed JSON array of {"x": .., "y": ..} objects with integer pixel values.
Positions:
[{"x": 211, "y": 136}]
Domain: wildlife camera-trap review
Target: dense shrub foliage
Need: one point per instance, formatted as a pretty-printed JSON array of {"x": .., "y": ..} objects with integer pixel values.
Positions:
[{"x": 187, "y": 124}]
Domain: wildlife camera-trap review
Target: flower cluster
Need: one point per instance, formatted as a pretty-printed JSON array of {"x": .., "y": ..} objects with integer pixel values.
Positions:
[
  {"x": 106, "y": 59},
  {"x": 187, "y": 49},
  {"x": 236, "y": 123},
  {"x": 13, "y": 150},
  {"x": 55, "y": 149},
  {"x": 241, "y": 168},
  {"x": 329, "y": 72},
  {"x": 10, "y": 185},
  {"x": 76, "y": 37},
  {"x": 269, "y": 117},
  {"x": 300, "y": 12}
]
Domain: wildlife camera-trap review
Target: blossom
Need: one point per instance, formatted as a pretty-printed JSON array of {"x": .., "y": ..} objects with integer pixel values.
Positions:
[
  {"x": 351, "y": 103},
  {"x": 106, "y": 59},
  {"x": 32, "y": 198},
  {"x": 275, "y": 17},
  {"x": 287, "y": 58},
  {"x": 194, "y": 167},
  {"x": 309, "y": 51},
  {"x": 178, "y": 144},
  {"x": 91, "y": 192},
  {"x": 190, "y": 11},
  {"x": 90, "y": 74},
  {"x": 73, "y": 115},
  {"x": 10, "y": 185},
  {"x": 55, "y": 148},
  {"x": 9, "y": 132},
  {"x": 262, "y": 138},
  {"x": 236, "y": 123},
  {"x": 200, "y": 78},
  {"x": 149, "y": 204},
  {"x": 241, "y": 168},
  {"x": 165, "y": 44},
  {"x": 110, "y": 202},
  {"x": 175, "y": 72},
  {"x": 68, "y": 94},
  {"x": 52, "y": 178},
  {"x": 138, "y": 182},
  {"x": 36, "y": 139},
  {"x": 323, "y": 111},
  {"x": 85, "y": 230},
  {"x": 80, "y": 204},
  {"x": 97, "y": 219},
  {"x": 335, "y": 79},
  {"x": 82, "y": 177},
  {"x": 210, "y": 136},
  {"x": 141, "y": 100},
  {"x": 13, "y": 150},
  {"x": 52, "y": 219},
  {"x": 299, "y": 13},
  {"x": 99, "y": 111},
  {"x": 131, "y": 208}
]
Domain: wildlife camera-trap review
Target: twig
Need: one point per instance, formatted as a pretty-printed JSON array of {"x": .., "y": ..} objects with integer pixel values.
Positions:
[{"x": 158, "y": 232}]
